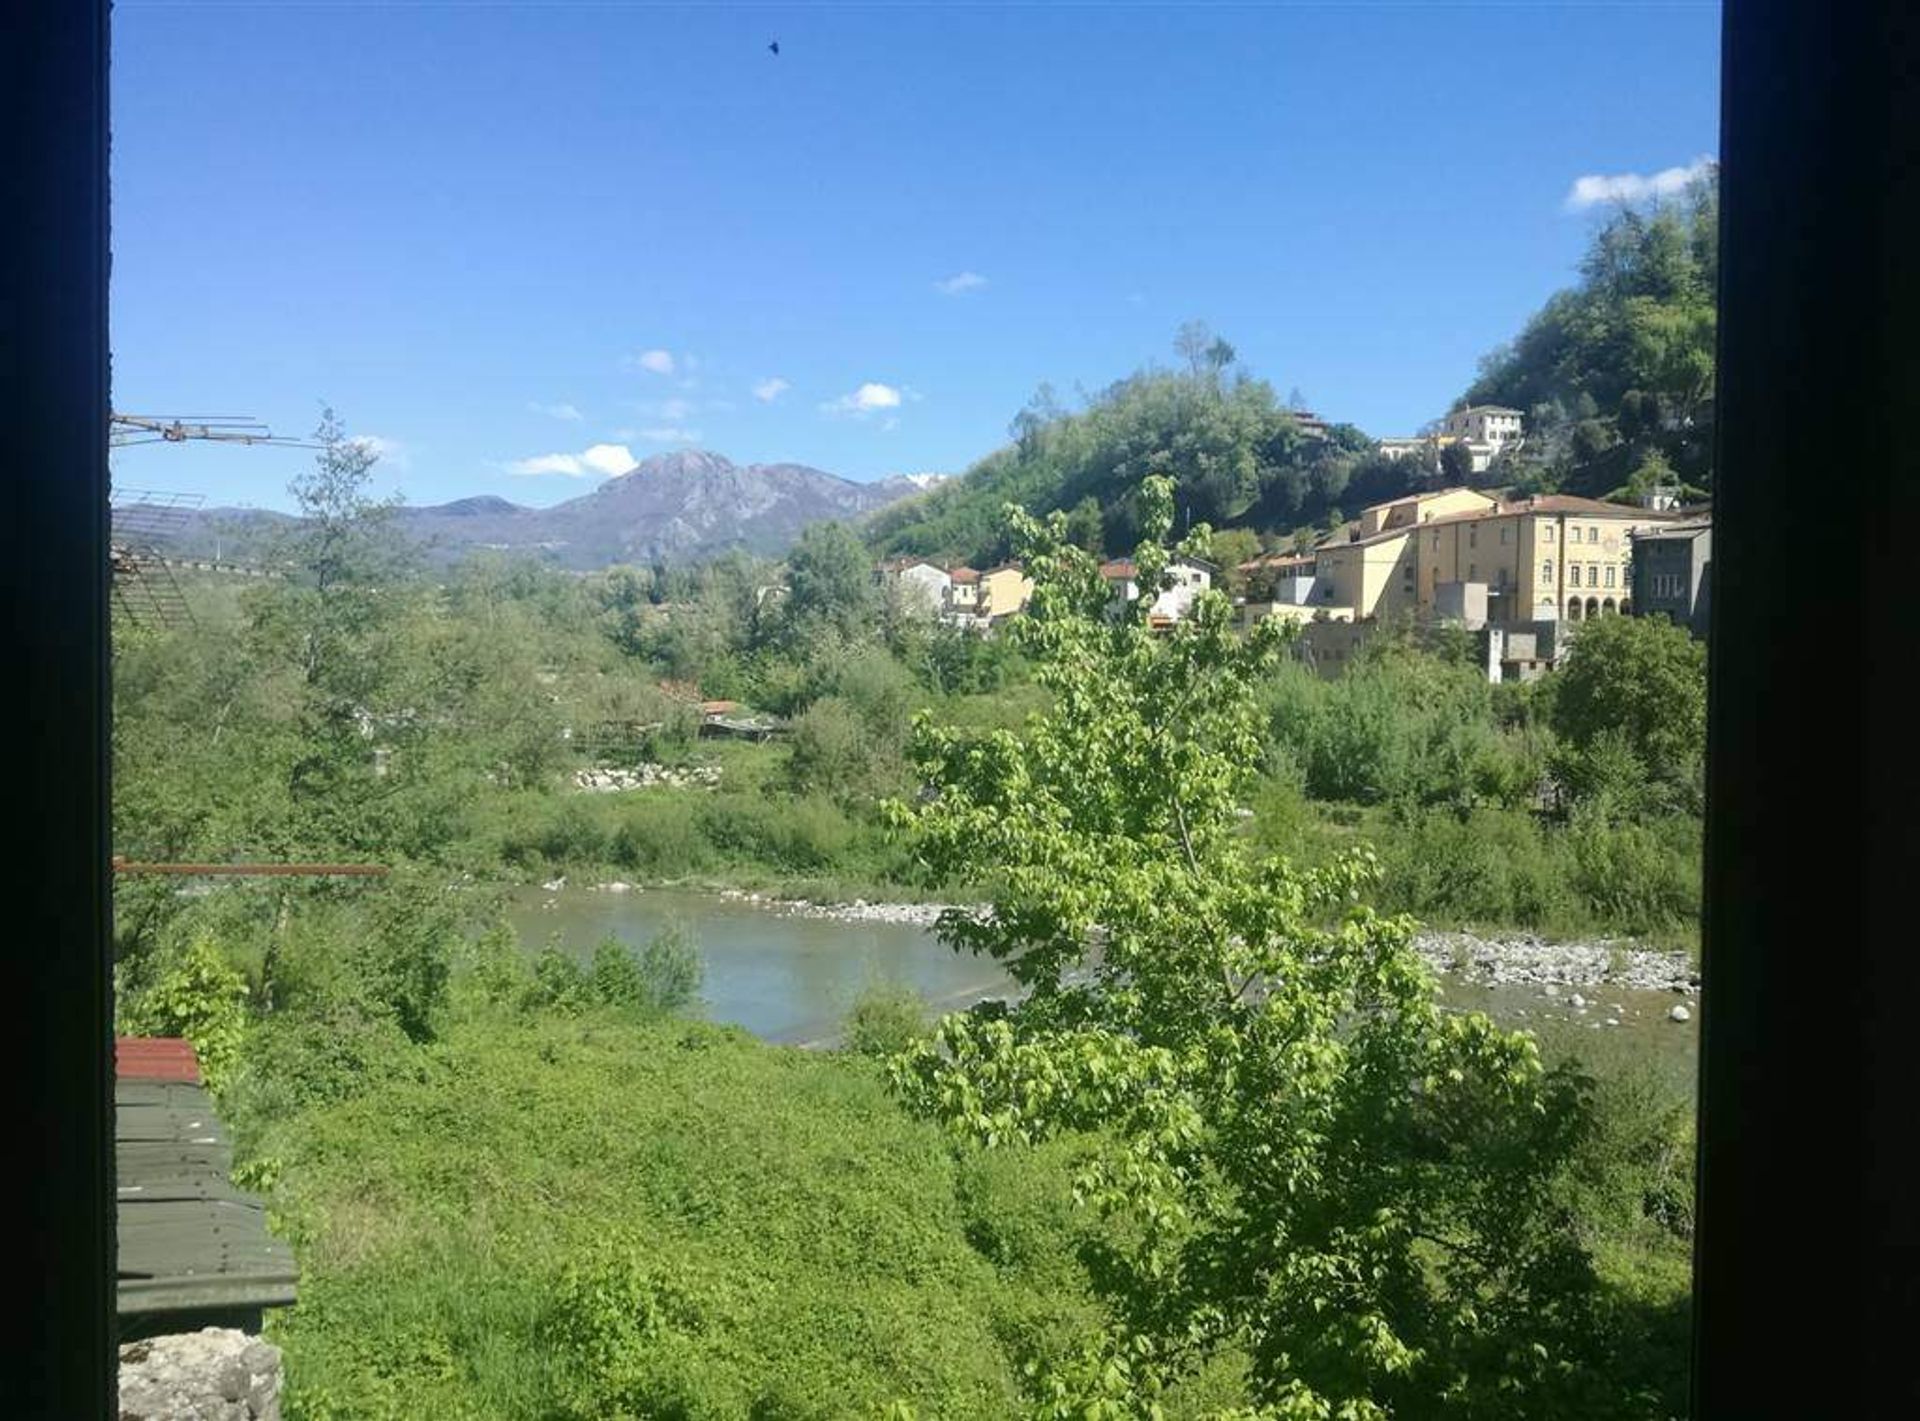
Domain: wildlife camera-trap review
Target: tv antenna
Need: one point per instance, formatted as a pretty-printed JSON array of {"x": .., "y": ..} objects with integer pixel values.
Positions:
[
  {"x": 125, "y": 430},
  {"x": 143, "y": 521}
]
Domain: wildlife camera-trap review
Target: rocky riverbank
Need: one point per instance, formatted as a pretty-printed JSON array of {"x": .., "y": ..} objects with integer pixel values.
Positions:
[
  {"x": 922, "y": 915},
  {"x": 1530, "y": 961},
  {"x": 1485, "y": 961}
]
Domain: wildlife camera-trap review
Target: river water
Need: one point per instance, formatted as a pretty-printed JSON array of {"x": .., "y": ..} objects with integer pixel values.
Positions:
[{"x": 791, "y": 978}]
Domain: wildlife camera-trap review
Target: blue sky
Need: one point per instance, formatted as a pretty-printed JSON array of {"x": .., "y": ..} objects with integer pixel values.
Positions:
[{"x": 510, "y": 241}]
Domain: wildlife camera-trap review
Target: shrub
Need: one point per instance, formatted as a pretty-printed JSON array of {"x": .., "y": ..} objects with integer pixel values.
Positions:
[
  {"x": 558, "y": 982},
  {"x": 201, "y": 997},
  {"x": 614, "y": 978},
  {"x": 885, "y": 1020},
  {"x": 670, "y": 970}
]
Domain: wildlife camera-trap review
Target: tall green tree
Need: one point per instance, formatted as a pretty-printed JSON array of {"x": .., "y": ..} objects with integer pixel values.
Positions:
[
  {"x": 1297, "y": 1153},
  {"x": 1637, "y": 684},
  {"x": 830, "y": 581}
]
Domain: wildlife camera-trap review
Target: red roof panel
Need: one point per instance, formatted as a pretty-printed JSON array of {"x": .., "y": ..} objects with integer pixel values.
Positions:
[{"x": 155, "y": 1058}]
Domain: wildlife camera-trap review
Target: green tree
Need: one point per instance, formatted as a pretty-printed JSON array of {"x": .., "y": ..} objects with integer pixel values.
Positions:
[
  {"x": 830, "y": 581},
  {"x": 1638, "y": 685},
  {"x": 1231, "y": 547},
  {"x": 1296, "y": 1152},
  {"x": 1085, "y": 528}
]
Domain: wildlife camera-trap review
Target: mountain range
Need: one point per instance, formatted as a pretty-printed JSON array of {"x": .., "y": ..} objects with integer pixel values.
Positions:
[{"x": 681, "y": 507}]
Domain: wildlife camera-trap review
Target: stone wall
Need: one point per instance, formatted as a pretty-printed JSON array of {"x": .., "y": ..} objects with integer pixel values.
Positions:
[{"x": 215, "y": 1374}]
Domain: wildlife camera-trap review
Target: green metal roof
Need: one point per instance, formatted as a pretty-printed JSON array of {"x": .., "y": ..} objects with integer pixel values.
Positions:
[{"x": 189, "y": 1240}]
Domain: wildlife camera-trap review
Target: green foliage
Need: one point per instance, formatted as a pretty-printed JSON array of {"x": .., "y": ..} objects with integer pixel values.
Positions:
[
  {"x": 830, "y": 582},
  {"x": 885, "y": 1020},
  {"x": 1232, "y": 448},
  {"x": 559, "y": 983},
  {"x": 1619, "y": 371},
  {"x": 198, "y": 996},
  {"x": 1635, "y": 686},
  {"x": 1298, "y": 1152},
  {"x": 670, "y": 970},
  {"x": 604, "y": 1217},
  {"x": 1400, "y": 726}
]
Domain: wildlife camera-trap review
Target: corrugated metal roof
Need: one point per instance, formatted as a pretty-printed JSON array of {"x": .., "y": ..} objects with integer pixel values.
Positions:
[
  {"x": 190, "y": 1242},
  {"x": 155, "y": 1058}
]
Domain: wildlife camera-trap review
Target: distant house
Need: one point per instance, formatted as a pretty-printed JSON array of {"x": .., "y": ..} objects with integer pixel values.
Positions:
[
  {"x": 1486, "y": 430},
  {"x": 1189, "y": 578},
  {"x": 1279, "y": 577},
  {"x": 1672, "y": 567},
  {"x": 921, "y": 585},
  {"x": 1496, "y": 425},
  {"x": 963, "y": 596},
  {"x": 1004, "y": 591}
]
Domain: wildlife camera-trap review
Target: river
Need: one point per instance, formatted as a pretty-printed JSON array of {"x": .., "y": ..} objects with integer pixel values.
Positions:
[{"x": 790, "y": 978}]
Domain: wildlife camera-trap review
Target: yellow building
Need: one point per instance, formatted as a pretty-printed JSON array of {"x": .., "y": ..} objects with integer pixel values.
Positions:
[
  {"x": 1423, "y": 508},
  {"x": 1372, "y": 572},
  {"x": 1004, "y": 590},
  {"x": 1552, "y": 557}
]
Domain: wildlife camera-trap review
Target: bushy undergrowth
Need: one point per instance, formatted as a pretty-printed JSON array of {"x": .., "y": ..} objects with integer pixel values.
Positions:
[{"x": 598, "y": 1217}]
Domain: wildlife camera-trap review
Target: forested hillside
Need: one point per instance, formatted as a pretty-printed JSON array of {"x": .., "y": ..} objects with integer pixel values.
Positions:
[
  {"x": 1238, "y": 457},
  {"x": 1615, "y": 374}
]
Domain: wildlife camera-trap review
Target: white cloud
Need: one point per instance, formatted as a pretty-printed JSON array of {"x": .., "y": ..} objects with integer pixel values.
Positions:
[
  {"x": 390, "y": 452},
  {"x": 559, "y": 411},
  {"x": 1597, "y": 188},
  {"x": 671, "y": 436},
  {"x": 864, "y": 401},
  {"x": 609, "y": 459},
  {"x": 960, "y": 283},
  {"x": 603, "y": 459},
  {"x": 770, "y": 389},
  {"x": 654, "y": 362}
]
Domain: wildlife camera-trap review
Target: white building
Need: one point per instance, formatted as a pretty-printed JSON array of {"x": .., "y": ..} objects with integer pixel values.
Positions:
[
  {"x": 1191, "y": 577},
  {"x": 922, "y": 587},
  {"x": 1496, "y": 425},
  {"x": 1484, "y": 429}
]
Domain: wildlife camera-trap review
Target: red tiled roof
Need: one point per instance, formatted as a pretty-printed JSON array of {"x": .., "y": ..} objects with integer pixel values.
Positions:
[
  {"x": 1119, "y": 567},
  {"x": 964, "y": 574},
  {"x": 155, "y": 1058},
  {"x": 718, "y": 707}
]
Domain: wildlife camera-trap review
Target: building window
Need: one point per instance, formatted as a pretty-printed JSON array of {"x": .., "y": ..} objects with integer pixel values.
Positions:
[
  {"x": 1546, "y": 570},
  {"x": 1609, "y": 575},
  {"x": 1473, "y": 536},
  {"x": 1503, "y": 532},
  {"x": 1473, "y": 572}
]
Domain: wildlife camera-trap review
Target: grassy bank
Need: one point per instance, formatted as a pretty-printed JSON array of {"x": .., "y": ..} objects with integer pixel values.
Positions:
[{"x": 596, "y": 1215}]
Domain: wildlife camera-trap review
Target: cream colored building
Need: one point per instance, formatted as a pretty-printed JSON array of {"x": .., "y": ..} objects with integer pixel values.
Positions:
[
  {"x": 1372, "y": 573},
  {"x": 1484, "y": 424},
  {"x": 1004, "y": 590},
  {"x": 1550, "y": 558}
]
